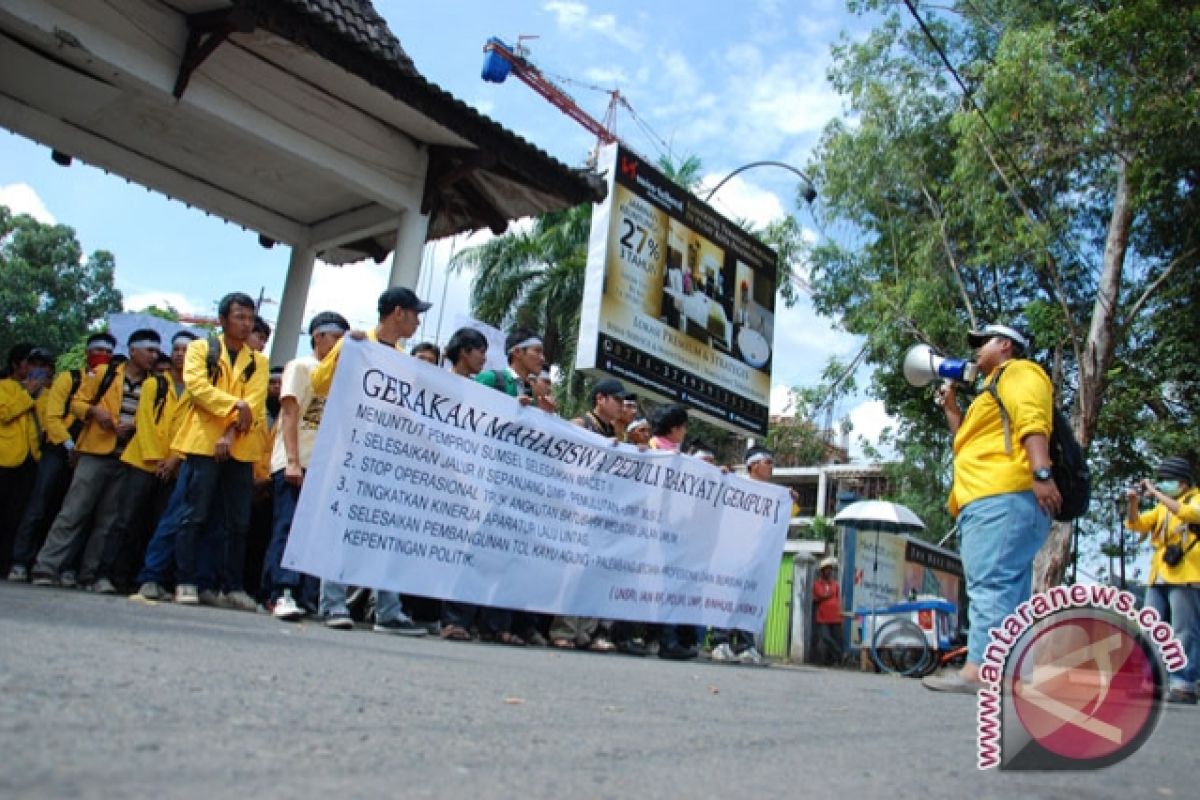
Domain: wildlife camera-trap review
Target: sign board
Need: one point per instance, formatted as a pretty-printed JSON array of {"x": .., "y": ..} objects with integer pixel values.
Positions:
[
  {"x": 679, "y": 300},
  {"x": 435, "y": 485}
]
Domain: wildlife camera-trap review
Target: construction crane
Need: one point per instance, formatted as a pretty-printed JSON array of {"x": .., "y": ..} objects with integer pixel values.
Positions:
[{"x": 501, "y": 60}]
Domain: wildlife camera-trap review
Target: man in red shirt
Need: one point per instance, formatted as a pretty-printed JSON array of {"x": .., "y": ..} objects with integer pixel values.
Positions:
[{"x": 827, "y": 598}]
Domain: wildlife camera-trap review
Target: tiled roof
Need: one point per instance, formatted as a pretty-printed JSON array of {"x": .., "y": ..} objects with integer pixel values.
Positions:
[{"x": 357, "y": 21}]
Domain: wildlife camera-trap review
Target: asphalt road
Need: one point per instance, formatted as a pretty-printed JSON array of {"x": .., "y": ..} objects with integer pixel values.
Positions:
[{"x": 104, "y": 696}]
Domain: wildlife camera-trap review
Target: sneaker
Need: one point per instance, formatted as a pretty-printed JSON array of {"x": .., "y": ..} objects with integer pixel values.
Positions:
[
  {"x": 285, "y": 608},
  {"x": 402, "y": 627},
  {"x": 1180, "y": 695},
  {"x": 952, "y": 682},
  {"x": 237, "y": 601},
  {"x": 44, "y": 580},
  {"x": 104, "y": 586},
  {"x": 432, "y": 628},
  {"x": 632, "y": 647},
  {"x": 340, "y": 622},
  {"x": 207, "y": 597},
  {"x": 152, "y": 591},
  {"x": 186, "y": 595},
  {"x": 18, "y": 574},
  {"x": 751, "y": 656},
  {"x": 723, "y": 653},
  {"x": 676, "y": 652},
  {"x": 67, "y": 580}
]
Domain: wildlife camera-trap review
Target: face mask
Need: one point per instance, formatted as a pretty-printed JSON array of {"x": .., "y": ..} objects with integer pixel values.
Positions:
[
  {"x": 1170, "y": 488},
  {"x": 96, "y": 358},
  {"x": 39, "y": 373}
]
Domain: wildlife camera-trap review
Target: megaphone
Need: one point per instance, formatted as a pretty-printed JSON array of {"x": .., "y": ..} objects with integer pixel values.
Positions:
[{"x": 923, "y": 365}]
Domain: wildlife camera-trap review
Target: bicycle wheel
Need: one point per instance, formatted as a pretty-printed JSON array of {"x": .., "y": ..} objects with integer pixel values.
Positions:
[{"x": 899, "y": 646}]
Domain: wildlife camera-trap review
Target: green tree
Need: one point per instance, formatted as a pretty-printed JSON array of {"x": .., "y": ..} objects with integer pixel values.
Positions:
[
  {"x": 49, "y": 294},
  {"x": 1056, "y": 191}
]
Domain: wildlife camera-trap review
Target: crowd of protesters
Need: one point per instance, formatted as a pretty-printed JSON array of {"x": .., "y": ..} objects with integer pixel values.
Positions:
[{"x": 173, "y": 473}]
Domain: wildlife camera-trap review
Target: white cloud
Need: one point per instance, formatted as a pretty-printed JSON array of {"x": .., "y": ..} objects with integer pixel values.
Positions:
[
  {"x": 136, "y": 301},
  {"x": 741, "y": 199},
  {"x": 610, "y": 76},
  {"x": 574, "y": 17},
  {"x": 869, "y": 419},
  {"x": 21, "y": 198},
  {"x": 781, "y": 400}
]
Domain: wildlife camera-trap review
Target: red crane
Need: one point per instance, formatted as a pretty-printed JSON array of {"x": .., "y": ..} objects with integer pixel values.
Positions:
[{"x": 502, "y": 60}]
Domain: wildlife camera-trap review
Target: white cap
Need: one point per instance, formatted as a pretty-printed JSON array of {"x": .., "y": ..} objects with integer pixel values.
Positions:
[{"x": 980, "y": 337}]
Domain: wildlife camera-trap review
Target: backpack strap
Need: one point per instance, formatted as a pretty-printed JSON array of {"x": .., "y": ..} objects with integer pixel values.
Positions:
[
  {"x": 110, "y": 375},
  {"x": 76, "y": 379},
  {"x": 212, "y": 361},
  {"x": 990, "y": 388},
  {"x": 160, "y": 396}
]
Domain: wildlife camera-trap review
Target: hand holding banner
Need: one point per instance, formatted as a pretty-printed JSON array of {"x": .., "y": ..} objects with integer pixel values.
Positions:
[{"x": 427, "y": 483}]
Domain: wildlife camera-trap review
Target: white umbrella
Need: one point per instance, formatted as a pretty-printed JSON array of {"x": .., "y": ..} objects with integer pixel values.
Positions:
[{"x": 879, "y": 515}]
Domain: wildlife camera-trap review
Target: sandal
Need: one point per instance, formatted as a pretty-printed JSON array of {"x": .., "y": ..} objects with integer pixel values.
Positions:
[
  {"x": 563, "y": 644},
  {"x": 455, "y": 633},
  {"x": 601, "y": 645},
  {"x": 505, "y": 637}
]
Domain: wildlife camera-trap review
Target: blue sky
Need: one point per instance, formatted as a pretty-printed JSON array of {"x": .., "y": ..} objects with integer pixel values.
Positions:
[{"x": 727, "y": 82}]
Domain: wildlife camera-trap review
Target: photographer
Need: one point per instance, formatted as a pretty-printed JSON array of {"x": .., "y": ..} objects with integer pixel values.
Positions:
[{"x": 1174, "y": 584}]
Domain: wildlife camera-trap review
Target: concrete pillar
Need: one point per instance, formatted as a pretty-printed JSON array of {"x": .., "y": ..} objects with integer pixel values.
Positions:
[
  {"x": 822, "y": 491},
  {"x": 290, "y": 323},
  {"x": 410, "y": 244}
]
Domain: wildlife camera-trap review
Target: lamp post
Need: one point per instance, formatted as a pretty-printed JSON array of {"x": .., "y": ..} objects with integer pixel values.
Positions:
[{"x": 809, "y": 193}]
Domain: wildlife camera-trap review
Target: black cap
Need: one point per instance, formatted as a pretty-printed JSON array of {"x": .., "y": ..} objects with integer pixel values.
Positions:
[
  {"x": 609, "y": 387},
  {"x": 1176, "y": 468},
  {"x": 41, "y": 355},
  {"x": 401, "y": 297}
]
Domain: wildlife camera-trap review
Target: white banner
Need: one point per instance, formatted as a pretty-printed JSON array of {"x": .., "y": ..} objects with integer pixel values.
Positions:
[{"x": 430, "y": 484}]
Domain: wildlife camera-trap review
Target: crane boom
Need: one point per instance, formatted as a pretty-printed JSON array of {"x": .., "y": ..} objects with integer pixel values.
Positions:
[{"x": 502, "y": 59}]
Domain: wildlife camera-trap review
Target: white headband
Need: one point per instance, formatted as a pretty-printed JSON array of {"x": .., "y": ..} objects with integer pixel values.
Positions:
[
  {"x": 100, "y": 344},
  {"x": 702, "y": 454},
  {"x": 532, "y": 341},
  {"x": 140, "y": 343},
  {"x": 182, "y": 337},
  {"x": 757, "y": 457},
  {"x": 637, "y": 423},
  {"x": 328, "y": 327}
]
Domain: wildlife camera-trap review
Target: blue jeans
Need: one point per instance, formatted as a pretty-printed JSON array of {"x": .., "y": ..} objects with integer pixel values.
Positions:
[
  {"x": 998, "y": 536},
  {"x": 160, "y": 553},
  {"x": 333, "y": 603},
  {"x": 230, "y": 485},
  {"x": 276, "y": 577},
  {"x": 1180, "y": 606}
]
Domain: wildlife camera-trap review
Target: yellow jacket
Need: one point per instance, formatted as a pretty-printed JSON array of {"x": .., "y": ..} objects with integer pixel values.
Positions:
[
  {"x": 18, "y": 425},
  {"x": 982, "y": 466},
  {"x": 93, "y": 439},
  {"x": 322, "y": 376},
  {"x": 151, "y": 441},
  {"x": 54, "y": 409},
  {"x": 266, "y": 434},
  {"x": 212, "y": 401},
  {"x": 1166, "y": 529}
]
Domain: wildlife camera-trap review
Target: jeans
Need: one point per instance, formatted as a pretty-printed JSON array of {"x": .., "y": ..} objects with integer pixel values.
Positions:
[
  {"x": 135, "y": 516},
  {"x": 333, "y": 603},
  {"x": 88, "y": 515},
  {"x": 277, "y": 577},
  {"x": 45, "y": 499},
  {"x": 1180, "y": 606},
  {"x": 15, "y": 483},
  {"x": 160, "y": 553},
  {"x": 998, "y": 536},
  {"x": 207, "y": 481}
]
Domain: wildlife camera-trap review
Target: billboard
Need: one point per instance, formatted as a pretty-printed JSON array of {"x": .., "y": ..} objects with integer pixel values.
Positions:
[{"x": 679, "y": 301}]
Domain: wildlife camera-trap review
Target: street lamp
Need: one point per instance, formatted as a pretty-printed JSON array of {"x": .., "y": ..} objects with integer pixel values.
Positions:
[{"x": 809, "y": 193}]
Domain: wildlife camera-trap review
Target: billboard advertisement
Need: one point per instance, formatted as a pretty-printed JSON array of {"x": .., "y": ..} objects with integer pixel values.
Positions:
[{"x": 679, "y": 300}]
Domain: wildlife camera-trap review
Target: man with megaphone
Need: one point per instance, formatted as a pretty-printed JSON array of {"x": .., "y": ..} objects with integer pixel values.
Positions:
[{"x": 1003, "y": 496}]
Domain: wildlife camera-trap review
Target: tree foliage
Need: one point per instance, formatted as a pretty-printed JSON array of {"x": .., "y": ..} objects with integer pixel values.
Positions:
[
  {"x": 49, "y": 294},
  {"x": 1057, "y": 192}
]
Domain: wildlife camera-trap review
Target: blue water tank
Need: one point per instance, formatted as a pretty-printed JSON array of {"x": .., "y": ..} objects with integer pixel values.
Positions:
[{"x": 495, "y": 67}]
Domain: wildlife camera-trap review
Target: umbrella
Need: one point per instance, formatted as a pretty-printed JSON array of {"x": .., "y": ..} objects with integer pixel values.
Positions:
[{"x": 879, "y": 515}]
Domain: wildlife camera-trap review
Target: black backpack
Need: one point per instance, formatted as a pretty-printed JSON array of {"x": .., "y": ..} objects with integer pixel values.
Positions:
[
  {"x": 1068, "y": 464},
  {"x": 76, "y": 425},
  {"x": 212, "y": 361},
  {"x": 110, "y": 375}
]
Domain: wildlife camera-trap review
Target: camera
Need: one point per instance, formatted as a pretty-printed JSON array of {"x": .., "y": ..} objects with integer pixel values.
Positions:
[
  {"x": 1172, "y": 555},
  {"x": 1138, "y": 489}
]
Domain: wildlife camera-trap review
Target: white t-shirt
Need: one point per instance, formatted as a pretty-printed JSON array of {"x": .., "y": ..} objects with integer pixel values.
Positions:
[{"x": 297, "y": 383}]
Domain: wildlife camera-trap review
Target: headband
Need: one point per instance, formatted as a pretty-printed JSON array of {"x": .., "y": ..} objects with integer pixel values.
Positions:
[
  {"x": 702, "y": 454},
  {"x": 147, "y": 342},
  {"x": 532, "y": 341},
  {"x": 328, "y": 327},
  {"x": 182, "y": 337},
  {"x": 637, "y": 423},
  {"x": 757, "y": 457},
  {"x": 100, "y": 344}
]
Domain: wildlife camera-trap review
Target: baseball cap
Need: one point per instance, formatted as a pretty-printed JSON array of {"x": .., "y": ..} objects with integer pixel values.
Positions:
[
  {"x": 979, "y": 337},
  {"x": 401, "y": 297},
  {"x": 609, "y": 387},
  {"x": 41, "y": 355}
]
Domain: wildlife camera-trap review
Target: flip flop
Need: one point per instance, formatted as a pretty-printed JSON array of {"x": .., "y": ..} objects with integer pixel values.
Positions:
[{"x": 455, "y": 633}]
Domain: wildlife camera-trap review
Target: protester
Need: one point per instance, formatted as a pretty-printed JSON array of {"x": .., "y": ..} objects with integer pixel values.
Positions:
[
  {"x": 1173, "y": 589},
  {"x": 59, "y": 430},
  {"x": 226, "y": 380},
  {"x": 289, "y": 592},
  {"x": 827, "y": 598},
  {"x": 568, "y": 632},
  {"x": 467, "y": 352},
  {"x": 637, "y": 432},
  {"x": 738, "y": 645},
  {"x": 110, "y": 403},
  {"x": 20, "y": 385},
  {"x": 400, "y": 313},
  {"x": 260, "y": 334},
  {"x": 1003, "y": 495},
  {"x": 427, "y": 352},
  {"x": 669, "y": 429},
  {"x": 629, "y": 412}
]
